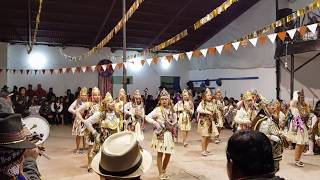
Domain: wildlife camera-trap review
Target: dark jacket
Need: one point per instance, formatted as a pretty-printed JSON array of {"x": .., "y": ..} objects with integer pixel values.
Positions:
[{"x": 30, "y": 169}]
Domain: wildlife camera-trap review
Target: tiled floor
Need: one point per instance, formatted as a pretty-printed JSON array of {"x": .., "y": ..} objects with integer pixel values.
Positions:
[{"x": 186, "y": 163}]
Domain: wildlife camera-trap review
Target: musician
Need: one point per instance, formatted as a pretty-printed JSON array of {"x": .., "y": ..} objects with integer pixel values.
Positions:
[
  {"x": 88, "y": 109},
  {"x": 207, "y": 110},
  {"x": 185, "y": 110},
  {"x": 314, "y": 129},
  {"x": 119, "y": 105},
  {"x": 246, "y": 112},
  {"x": 164, "y": 120},
  {"x": 78, "y": 127},
  {"x": 299, "y": 113},
  {"x": 269, "y": 124},
  {"x": 102, "y": 123},
  {"x": 135, "y": 112},
  {"x": 218, "y": 100}
]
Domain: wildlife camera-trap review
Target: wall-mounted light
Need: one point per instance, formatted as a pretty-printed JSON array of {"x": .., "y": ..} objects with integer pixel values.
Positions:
[{"x": 37, "y": 60}]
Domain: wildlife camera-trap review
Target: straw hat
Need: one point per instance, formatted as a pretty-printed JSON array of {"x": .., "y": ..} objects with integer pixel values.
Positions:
[
  {"x": 121, "y": 158},
  {"x": 137, "y": 94}
]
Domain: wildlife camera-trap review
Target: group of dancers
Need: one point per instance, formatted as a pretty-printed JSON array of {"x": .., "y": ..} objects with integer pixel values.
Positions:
[{"x": 97, "y": 118}]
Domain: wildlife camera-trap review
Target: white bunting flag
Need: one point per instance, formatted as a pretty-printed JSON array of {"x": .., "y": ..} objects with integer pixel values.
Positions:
[
  {"x": 149, "y": 61},
  {"x": 204, "y": 52},
  {"x": 219, "y": 48},
  {"x": 189, "y": 55},
  {"x": 254, "y": 41},
  {"x": 176, "y": 57},
  {"x": 292, "y": 32},
  {"x": 114, "y": 66},
  {"x": 83, "y": 69},
  {"x": 64, "y": 70},
  {"x": 93, "y": 68},
  {"x": 313, "y": 27},
  {"x": 104, "y": 67},
  {"x": 272, "y": 37},
  {"x": 125, "y": 64},
  {"x": 236, "y": 45},
  {"x": 73, "y": 69},
  {"x": 56, "y": 71}
]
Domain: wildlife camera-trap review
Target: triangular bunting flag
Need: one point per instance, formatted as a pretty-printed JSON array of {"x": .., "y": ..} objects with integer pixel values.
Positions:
[
  {"x": 313, "y": 27},
  {"x": 60, "y": 71},
  {"x": 64, "y": 70},
  {"x": 35, "y": 72},
  {"x": 125, "y": 65},
  {"x": 73, "y": 70},
  {"x": 83, "y": 69},
  {"x": 93, "y": 68},
  {"x": 56, "y": 71},
  {"x": 272, "y": 37},
  {"x": 27, "y": 71},
  {"x": 212, "y": 51},
  {"x": 176, "y": 56},
  {"x": 113, "y": 65},
  {"x": 189, "y": 54},
  {"x": 282, "y": 35},
  {"x": 99, "y": 68},
  {"x": 236, "y": 45},
  {"x": 263, "y": 39},
  {"x": 14, "y": 71},
  {"x": 104, "y": 67},
  {"x": 78, "y": 69},
  {"x": 155, "y": 60},
  {"x": 43, "y": 71},
  {"x": 169, "y": 58},
  {"x": 292, "y": 32},
  {"x": 303, "y": 30},
  {"x": 51, "y": 71},
  {"x": 254, "y": 41},
  {"x": 204, "y": 52},
  {"x": 149, "y": 60},
  {"x": 219, "y": 48},
  {"x": 142, "y": 62},
  {"x": 21, "y": 71},
  {"x": 120, "y": 65}
]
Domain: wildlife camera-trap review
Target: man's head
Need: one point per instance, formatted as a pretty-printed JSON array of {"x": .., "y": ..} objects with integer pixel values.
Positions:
[
  {"x": 29, "y": 87},
  {"x": 249, "y": 154},
  {"x": 51, "y": 89}
]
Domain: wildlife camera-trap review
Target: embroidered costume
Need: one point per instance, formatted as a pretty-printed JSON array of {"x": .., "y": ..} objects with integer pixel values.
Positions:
[
  {"x": 245, "y": 113},
  {"x": 119, "y": 107},
  {"x": 185, "y": 111}
]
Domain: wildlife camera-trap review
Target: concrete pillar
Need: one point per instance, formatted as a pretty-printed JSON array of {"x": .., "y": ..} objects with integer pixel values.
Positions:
[{"x": 3, "y": 63}]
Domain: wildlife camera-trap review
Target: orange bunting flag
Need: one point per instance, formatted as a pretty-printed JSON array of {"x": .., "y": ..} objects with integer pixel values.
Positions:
[
  {"x": 244, "y": 43},
  {"x": 263, "y": 39},
  {"x": 228, "y": 47},
  {"x": 282, "y": 35},
  {"x": 197, "y": 53},
  {"x": 302, "y": 30},
  {"x": 155, "y": 60},
  {"x": 169, "y": 58},
  {"x": 212, "y": 51},
  {"x": 119, "y": 65},
  {"x": 142, "y": 62}
]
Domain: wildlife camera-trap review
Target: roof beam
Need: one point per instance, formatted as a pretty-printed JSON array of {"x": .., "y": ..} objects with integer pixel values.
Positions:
[{"x": 103, "y": 23}]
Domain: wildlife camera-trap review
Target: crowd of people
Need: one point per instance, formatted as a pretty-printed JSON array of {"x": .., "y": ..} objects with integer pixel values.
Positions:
[{"x": 274, "y": 125}]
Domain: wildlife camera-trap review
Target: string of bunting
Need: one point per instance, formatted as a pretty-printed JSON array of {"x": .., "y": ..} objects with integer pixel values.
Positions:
[
  {"x": 109, "y": 36},
  {"x": 37, "y": 27},
  {"x": 197, "y": 53}
]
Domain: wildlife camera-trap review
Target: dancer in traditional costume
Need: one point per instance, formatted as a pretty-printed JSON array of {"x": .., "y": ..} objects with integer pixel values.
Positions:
[
  {"x": 299, "y": 113},
  {"x": 246, "y": 112},
  {"x": 207, "y": 110},
  {"x": 135, "y": 112},
  {"x": 185, "y": 110},
  {"x": 102, "y": 123},
  {"x": 268, "y": 124},
  {"x": 119, "y": 107},
  {"x": 164, "y": 120},
  {"x": 89, "y": 109},
  {"x": 218, "y": 100},
  {"x": 313, "y": 126},
  {"x": 78, "y": 127}
]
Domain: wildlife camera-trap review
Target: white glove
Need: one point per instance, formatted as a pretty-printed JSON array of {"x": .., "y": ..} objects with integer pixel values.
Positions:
[{"x": 274, "y": 138}]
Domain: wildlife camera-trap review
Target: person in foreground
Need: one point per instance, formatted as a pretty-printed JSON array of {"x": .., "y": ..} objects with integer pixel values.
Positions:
[
  {"x": 17, "y": 154},
  {"x": 249, "y": 156},
  {"x": 121, "y": 158}
]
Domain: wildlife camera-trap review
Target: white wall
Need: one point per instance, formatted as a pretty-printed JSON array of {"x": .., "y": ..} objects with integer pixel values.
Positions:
[
  {"x": 3, "y": 64},
  {"x": 298, "y": 4},
  {"x": 145, "y": 77}
]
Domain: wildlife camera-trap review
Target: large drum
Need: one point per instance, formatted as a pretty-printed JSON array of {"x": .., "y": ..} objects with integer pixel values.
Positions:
[{"x": 38, "y": 127}]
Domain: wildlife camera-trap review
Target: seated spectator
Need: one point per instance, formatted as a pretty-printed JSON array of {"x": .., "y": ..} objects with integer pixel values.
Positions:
[
  {"x": 21, "y": 103},
  {"x": 17, "y": 154},
  {"x": 30, "y": 92},
  {"x": 56, "y": 109},
  {"x": 14, "y": 93},
  {"x": 51, "y": 95},
  {"x": 249, "y": 156},
  {"x": 40, "y": 93},
  {"x": 67, "y": 116},
  {"x": 45, "y": 111},
  {"x": 34, "y": 106}
]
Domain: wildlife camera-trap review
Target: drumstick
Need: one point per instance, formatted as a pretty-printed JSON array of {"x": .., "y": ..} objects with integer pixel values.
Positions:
[{"x": 44, "y": 155}]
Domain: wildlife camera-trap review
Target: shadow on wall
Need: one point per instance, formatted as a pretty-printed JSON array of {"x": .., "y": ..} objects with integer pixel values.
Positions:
[{"x": 306, "y": 77}]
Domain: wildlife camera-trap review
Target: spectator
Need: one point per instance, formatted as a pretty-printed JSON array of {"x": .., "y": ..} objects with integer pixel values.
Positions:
[
  {"x": 70, "y": 96},
  {"x": 14, "y": 93},
  {"x": 50, "y": 95},
  {"x": 40, "y": 93},
  {"x": 30, "y": 92},
  {"x": 76, "y": 94},
  {"x": 56, "y": 109},
  {"x": 34, "y": 106},
  {"x": 17, "y": 154},
  {"x": 66, "y": 114},
  {"x": 21, "y": 105},
  {"x": 249, "y": 156},
  {"x": 45, "y": 111}
]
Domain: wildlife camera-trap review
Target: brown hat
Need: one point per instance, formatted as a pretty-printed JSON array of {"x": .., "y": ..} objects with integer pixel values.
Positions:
[
  {"x": 12, "y": 134},
  {"x": 121, "y": 158}
]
